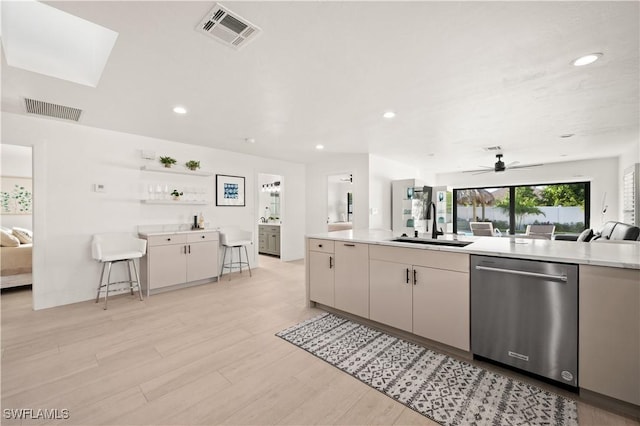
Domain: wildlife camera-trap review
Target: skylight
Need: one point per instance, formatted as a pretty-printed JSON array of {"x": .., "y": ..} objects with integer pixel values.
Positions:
[{"x": 40, "y": 38}]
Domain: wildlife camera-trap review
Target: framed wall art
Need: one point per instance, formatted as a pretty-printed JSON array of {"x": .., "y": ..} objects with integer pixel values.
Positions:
[
  {"x": 16, "y": 195},
  {"x": 230, "y": 191}
]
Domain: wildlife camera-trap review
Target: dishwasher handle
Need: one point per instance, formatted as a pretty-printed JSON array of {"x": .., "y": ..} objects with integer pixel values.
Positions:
[{"x": 525, "y": 273}]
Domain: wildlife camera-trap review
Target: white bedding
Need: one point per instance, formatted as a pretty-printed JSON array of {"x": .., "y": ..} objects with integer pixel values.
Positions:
[{"x": 15, "y": 265}]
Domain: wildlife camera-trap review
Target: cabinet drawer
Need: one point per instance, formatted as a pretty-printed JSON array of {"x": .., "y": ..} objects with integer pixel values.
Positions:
[
  {"x": 422, "y": 257},
  {"x": 196, "y": 237},
  {"x": 160, "y": 240},
  {"x": 324, "y": 246},
  {"x": 270, "y": 229}
]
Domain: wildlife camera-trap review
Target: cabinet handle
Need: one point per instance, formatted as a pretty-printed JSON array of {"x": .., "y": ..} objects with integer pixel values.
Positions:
[
  {"x": 349, "y": 245},
  {"x": 407, "y": 275},
  {"x": 330, "y": 262},
  {"x": 168, "y": 239},
  {"x": 415, "y": 277},
  {"x": 320, "y": 245},
  {"x": 189, "y": 248},
  {"x": 203, "y": 236}
]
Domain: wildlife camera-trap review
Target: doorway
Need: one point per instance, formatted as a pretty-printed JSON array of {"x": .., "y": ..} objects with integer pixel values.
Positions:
[
  {"x": 16, "y": 217},
  {"x": 270, "y": 220},
  {"x": 339, "y": 202}
]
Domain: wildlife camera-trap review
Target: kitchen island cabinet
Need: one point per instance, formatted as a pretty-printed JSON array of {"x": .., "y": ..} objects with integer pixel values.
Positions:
[
  {"x": 351, "y": 288},
  {"x": 428, "y": 296},
  {"x": 609, "y": 332},
  {"x": 437, "y": 306},
  {"x": 320, "y": 271}
]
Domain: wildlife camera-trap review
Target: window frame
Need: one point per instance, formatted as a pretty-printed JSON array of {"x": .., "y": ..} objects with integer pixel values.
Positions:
[{"x": 512, "y": 206}]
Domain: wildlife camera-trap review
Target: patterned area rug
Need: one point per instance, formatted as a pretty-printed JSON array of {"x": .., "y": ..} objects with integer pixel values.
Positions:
[{"x": 446, "y": 390}]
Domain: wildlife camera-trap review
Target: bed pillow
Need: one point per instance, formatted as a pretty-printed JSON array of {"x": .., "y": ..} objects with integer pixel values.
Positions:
[
  {"x": 23, "y": 235},
  {"x": 8, "y": 240}
]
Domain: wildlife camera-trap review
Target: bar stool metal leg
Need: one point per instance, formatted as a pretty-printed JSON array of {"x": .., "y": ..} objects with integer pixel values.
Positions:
[
  {"x": 129, "y": 262},
  {"x": 224, "y": 256},
  {"x": 106, "y": 293},
  {"x": 101, "y": 281},
  {"x": 135, "y": 270},
  {"x": 240, "y": 259},
  {"x": 247, "y": 256}
]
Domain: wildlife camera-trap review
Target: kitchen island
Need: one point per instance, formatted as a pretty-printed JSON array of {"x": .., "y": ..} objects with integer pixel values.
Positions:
[{"x": 424, "y": 290}]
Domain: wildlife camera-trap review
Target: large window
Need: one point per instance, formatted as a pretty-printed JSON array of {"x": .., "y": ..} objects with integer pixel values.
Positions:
[{"x": 511, "y": 208}]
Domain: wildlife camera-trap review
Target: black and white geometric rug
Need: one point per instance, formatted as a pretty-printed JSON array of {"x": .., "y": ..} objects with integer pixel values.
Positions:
[{"x": 446, "y": 390}]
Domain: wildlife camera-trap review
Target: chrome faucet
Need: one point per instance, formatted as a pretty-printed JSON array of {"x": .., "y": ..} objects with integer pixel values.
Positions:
[
  {"x": 263, "y": 220},
  {"x": 431, "y": 211}
]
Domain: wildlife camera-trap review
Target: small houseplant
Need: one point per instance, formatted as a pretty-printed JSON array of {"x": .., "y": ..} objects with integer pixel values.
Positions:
[
  {"x": 167, "y": 161},
  {"x": 176, "y": 195},
  {"x": 192, "y": 164}
]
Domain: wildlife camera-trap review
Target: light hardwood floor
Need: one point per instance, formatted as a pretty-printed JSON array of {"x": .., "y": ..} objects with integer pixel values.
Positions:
[{"x": 203, "y": 355}]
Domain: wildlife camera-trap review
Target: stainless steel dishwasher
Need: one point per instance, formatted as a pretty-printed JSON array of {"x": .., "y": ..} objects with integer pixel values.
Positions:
[{"x": 524, "y": 313}]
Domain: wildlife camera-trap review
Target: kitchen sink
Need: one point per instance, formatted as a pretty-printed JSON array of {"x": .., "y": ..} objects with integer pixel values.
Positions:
[{"x": 451, "y": 243}]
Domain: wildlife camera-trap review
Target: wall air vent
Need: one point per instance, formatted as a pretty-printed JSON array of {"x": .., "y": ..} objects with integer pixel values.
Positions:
[
  {"x": 227, "y": 27},
  {"x": 52, "y": 110}
]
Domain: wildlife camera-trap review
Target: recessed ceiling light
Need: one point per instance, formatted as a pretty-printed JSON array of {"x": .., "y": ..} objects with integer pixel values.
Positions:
[
  {"x": 389, "y": 114},
  {"x": 564, "y": 155},
  {"x": 319, "y": 147},
  {"x": 567, "y": 135},
  {"x": 180, "y": 110},
  {"x": 250, "y": 140},
  {"x": 586, "y": 59}
]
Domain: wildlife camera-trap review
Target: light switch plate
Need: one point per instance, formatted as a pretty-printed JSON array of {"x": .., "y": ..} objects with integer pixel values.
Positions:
[{"x": 99, "y": 187}]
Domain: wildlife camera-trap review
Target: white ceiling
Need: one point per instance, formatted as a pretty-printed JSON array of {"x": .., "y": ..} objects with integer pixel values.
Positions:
[{"x": 460, "y": 76}]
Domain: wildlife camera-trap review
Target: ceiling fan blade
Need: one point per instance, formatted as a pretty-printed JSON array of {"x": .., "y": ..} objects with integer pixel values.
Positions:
[
  {"x": 527, "y": 166},
  {"x": 513, "y": 163},
  {"x": 480, "y": 172}
]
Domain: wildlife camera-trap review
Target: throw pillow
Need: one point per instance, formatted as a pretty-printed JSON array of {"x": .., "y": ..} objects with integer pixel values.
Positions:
[
  {"x": 8, "y": 240},
  {"x": 24, "y": 235},
  {"x": 586, "y": 235}
]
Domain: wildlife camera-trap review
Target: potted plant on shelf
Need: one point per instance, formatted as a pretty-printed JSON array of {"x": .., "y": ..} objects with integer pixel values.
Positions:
[
  {"x": 176, "y": 195},
  {"x": 167, "y": 161},
  {"x": 192, "y": 164}
]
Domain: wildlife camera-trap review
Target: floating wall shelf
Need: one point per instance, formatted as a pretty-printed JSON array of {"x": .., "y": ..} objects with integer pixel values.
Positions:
[{"x": 175, "y": 170}]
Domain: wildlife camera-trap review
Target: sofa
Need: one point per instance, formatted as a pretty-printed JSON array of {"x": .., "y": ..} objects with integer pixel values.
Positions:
[{"x": 611, "y": 231}]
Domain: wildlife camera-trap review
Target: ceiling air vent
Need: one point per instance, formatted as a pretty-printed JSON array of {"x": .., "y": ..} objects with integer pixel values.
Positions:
[
  {"x": 227, "y": 27},
  {"x": 52, "y": 110},
  {"x": 493, "y": 148}
]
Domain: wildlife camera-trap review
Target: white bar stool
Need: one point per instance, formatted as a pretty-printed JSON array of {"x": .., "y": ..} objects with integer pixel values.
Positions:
[
  {"x": 114, "y": 248},
  {"x": 231, "y": 238}
]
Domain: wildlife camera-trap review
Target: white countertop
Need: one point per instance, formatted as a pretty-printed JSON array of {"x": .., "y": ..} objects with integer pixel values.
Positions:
[
  {"x": 269, "y": 224},
  {"x": 612, "y": 254},
  {"x": 173, "y": 228}
]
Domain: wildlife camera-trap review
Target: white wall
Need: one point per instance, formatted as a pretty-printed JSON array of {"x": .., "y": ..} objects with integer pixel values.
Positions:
[
  {"x": 16, "y": 162},
  {"x": 316, "y": 184},
  {"x": 628, "y": 158},
  {"x": 69, "y": 158},
  {"x": 381, "y": 172},
  {"x": 602, "y": 173}
]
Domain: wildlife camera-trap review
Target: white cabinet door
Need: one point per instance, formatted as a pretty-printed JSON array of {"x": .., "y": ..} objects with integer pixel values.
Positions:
[
  {"x": 609, "y": 332},
  {"x": 167, "y": 265},
  {"x": 202, "y": 260},
  {"x": 352, "y": 278},
  {"x": 390, "y": 293},
  {"x": 441, "y": 306},
  {"x": 321, "y": 277}
]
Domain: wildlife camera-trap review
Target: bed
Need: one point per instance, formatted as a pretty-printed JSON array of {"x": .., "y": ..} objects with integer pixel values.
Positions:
[{"x": 15, "y": 266}]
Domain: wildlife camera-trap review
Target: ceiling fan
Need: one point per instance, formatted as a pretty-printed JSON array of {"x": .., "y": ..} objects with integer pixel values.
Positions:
[{"x": 499, "y": 166}]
